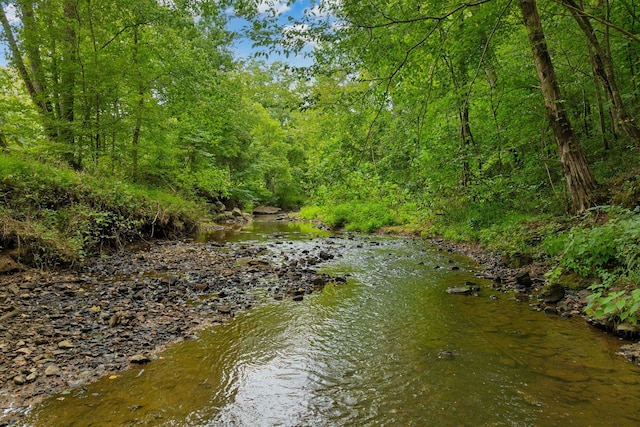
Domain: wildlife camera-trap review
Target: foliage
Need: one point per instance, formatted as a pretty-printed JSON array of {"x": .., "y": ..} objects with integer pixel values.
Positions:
[
  {"x": 609, "y": 251},
  {"x": 53, "y": 215}
]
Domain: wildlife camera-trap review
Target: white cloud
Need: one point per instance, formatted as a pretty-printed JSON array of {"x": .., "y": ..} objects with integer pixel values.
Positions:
[
  {"x": 12, "y": 15},
  {"x": 298, "y": 35}
]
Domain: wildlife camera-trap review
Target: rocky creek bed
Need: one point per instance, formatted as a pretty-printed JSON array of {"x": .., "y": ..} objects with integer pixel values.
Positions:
[{"x": 60, "y": 330}]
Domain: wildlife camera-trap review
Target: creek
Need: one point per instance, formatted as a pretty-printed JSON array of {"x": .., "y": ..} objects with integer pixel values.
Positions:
[{"x": 388, "y": 348}]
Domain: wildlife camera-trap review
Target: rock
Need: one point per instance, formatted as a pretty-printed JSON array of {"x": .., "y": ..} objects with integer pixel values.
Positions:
[
  {"x": 319, "y": 281},
  {"x": 552, "y": 293},
  {"x": 459, "y": 290},
  {"x": 236, "y": 212},
  {"x": 76, "y": 383},
  {"x": 32, "y": 377},
  {"x": 253, "y": 262},
  {"x": 139, "y": 359},
  {"x": 550, "y": 310},
  {"x": 517, "y": 260},
  {"x": 627, "y": 328},
  {"x": 445, "y": 354},
  {"x": 19, "y": 380},
  {"x": 66, "y": 344},
  {"x": 630, "y": 352},
  {"x": 51, "y": 371},
  {"x": 524, "y": 279},
  {"x": 474, "y": 287},
  {"x": 24, "y": 351},
  {"x": 8, "y": 265},
  {"x": 224, "y": 309},
  {"x": 266, "y": 210}
]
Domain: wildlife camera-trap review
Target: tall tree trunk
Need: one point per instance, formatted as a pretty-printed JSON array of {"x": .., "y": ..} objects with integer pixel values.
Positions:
[
  {"x": 68, "y": 83},
  {"x": 32, "y": 47},
  {"x": 467, "y": 141},
  {"x": 582, "y": 184},
  {"x": 33, "y": 88},
  {"x": 138, "y": 124},
  {"x": 604, "y": 71}
]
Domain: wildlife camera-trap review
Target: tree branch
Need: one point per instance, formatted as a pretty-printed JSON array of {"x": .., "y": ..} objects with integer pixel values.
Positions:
[
  {"x": 393, "y": 21},
  {"x": 600, "y": 20}
]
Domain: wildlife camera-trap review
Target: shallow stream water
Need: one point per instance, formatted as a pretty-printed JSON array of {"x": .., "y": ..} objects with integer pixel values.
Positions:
[{"x": 389, "y": 348}]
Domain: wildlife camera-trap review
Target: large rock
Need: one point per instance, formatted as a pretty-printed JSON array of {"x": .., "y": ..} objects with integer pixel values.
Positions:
[
  {"x": 139, "y": 359},
  {"x": 524, "y": 279},
  {"x": 552, "y": 293},
  {"x": 517, "y": 260},
  {"x": 266, "y": 210},
  {"x": 8, "y": 265},
  {"x": 459, "y": 290}
]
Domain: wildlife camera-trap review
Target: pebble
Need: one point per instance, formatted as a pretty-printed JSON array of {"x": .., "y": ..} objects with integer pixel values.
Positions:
[
  {"x": 52, "y": 370},
  {"x": 66, "y": 344},
  {"x": 139, "y": 359}
]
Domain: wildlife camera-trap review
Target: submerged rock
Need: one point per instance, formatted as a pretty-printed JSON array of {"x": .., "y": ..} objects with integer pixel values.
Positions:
[{"x": 459, "y": 290}]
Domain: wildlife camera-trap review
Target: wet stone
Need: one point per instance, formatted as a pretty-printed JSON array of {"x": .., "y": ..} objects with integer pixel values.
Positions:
[
  {"x": 224, "y": 309},
  {"x": 139, "y": 359},
  {"x": 459, "y": 290}
]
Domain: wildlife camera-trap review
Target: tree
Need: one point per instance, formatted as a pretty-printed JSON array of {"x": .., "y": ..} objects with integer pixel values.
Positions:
[
  {"x": 580, "y": 180},
  {"x": 603, "y": 69}
]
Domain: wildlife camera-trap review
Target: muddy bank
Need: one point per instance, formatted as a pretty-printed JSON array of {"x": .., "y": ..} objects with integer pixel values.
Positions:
[
  {"x": 60, "y": 330},
  {"x": 527, "y": 284}
]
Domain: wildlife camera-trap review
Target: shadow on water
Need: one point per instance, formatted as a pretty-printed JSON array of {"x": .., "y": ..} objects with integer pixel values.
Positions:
[{"x": 389, "y": 348}]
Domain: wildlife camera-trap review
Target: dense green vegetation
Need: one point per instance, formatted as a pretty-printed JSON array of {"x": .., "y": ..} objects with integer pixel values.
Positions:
[{"x": 509, "y": 123}]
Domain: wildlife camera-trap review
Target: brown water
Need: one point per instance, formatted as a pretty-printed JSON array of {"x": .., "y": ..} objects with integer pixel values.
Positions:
[{"x": 390, "y": 348}]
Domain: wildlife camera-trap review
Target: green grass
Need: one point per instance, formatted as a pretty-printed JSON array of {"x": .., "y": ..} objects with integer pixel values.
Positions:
[{"x": 57, "y": 216}]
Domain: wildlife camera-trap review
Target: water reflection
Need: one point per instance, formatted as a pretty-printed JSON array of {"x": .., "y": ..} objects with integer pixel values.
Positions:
[
  {"x": 263, "y": 230},
  {"x": 390, "y": 348}
]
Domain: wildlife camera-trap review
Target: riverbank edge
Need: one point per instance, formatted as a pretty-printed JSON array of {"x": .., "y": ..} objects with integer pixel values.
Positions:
[{"x": 527, "y": 284}]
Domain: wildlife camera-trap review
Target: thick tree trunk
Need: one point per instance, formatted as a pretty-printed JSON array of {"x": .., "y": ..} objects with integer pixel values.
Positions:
[
  {"x": 582, "y": 184},
  {"x": 604, "y": 71}
]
